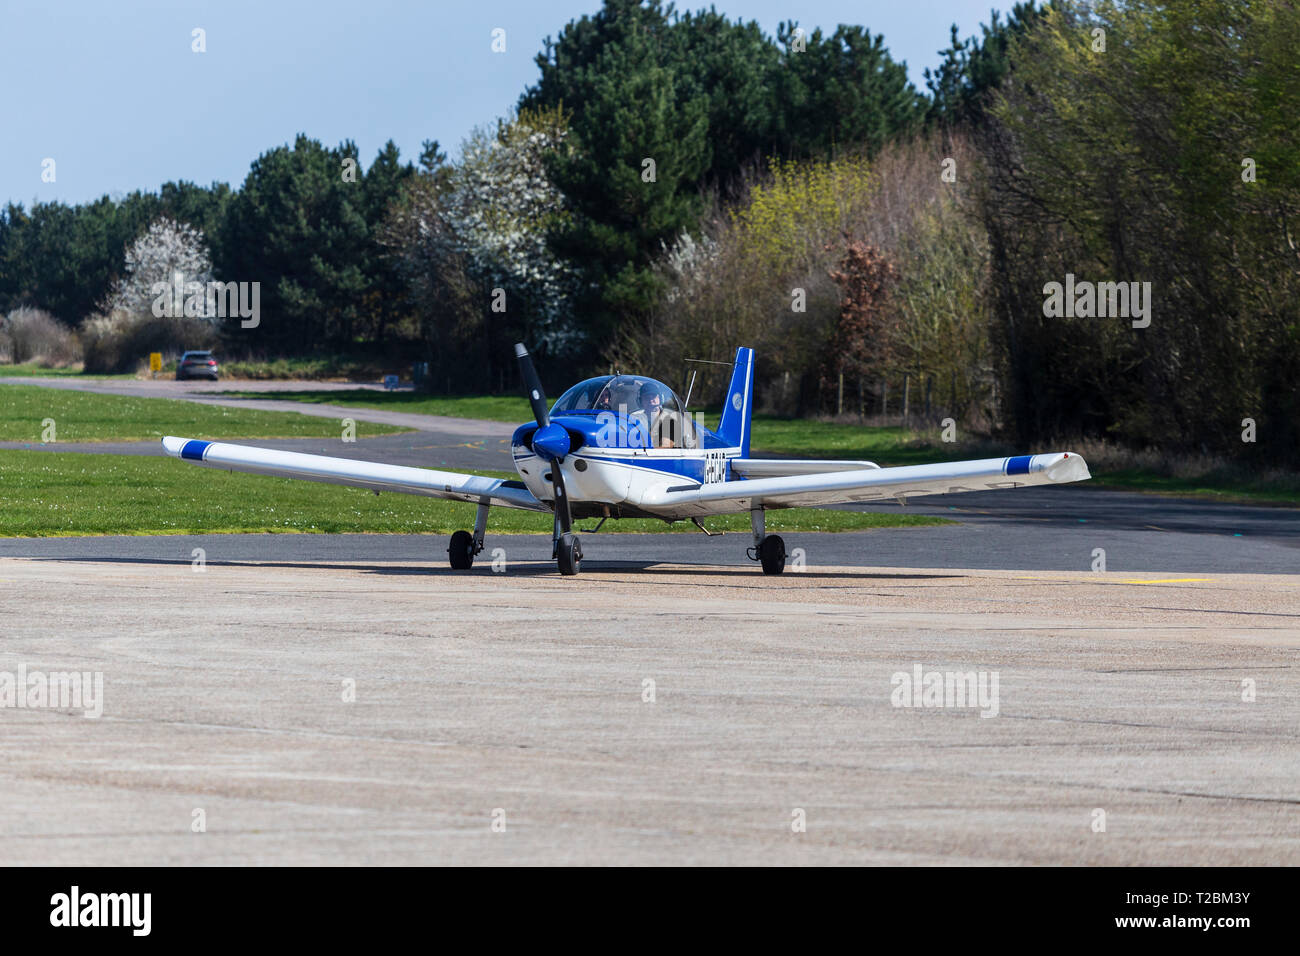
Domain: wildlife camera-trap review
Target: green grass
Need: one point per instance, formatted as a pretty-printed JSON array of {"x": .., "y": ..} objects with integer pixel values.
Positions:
[
  {"x": 85, "y": 416},
  {"x": 65, "y": 493},
  {"x": 1284, "y": 491},
  {"x": 496, "y": 408},
  {"x": 28, "y": 370},
  {"x": 807, "y": 438}
]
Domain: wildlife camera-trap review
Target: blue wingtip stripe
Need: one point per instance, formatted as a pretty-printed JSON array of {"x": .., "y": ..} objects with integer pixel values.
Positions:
[
  {"x": 193, "y": 450},
  {"x": 1019, "y": 465}
]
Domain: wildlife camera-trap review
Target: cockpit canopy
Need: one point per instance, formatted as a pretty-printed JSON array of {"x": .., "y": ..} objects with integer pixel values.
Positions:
[
  {"x": 649, "y": 412},
  {"x": 624, "y": 394}
]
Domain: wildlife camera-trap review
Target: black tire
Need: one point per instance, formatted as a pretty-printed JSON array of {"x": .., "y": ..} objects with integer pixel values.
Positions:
[
  {"x": 569, "y": 554},
  {"x": 771, "y": 552},
  {"x": 461, "y": 551}
]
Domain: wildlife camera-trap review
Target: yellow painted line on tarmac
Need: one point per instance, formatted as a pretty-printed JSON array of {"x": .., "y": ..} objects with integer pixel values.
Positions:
[
  {"x": 1162, "y": 580},
  {"x": 1103, "y": 580}
]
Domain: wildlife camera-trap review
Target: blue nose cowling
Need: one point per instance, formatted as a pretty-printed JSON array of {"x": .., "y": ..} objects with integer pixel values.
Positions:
[{"x": 551, "y": 442}]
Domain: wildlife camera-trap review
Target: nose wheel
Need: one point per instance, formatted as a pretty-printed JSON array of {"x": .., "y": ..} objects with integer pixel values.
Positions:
[{"x": 568, "y": 553}]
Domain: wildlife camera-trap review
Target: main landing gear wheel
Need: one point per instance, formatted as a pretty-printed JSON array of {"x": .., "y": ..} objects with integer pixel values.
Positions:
[
  {"x": 771, "y": 552},
  {"x": 461, "y": 551},
  {"x": 568, "y": 553}
]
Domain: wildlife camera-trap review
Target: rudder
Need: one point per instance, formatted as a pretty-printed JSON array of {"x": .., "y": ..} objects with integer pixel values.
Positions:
[{"x": 738, "y": 403}]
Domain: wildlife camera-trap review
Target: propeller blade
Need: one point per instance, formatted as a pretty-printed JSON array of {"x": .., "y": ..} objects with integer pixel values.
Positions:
[{"x": 536, "y": 397}]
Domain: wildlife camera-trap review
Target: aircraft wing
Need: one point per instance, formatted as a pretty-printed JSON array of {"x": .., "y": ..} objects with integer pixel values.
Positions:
[
  {"x": 874, "y": 484},
  {"x": 359, "y": 474}
]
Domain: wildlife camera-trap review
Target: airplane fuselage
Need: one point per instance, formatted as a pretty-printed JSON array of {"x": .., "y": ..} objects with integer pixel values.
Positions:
[{"x": 611, "y": 470}]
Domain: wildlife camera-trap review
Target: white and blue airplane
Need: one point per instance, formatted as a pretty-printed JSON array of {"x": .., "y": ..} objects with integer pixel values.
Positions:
[{"x": 623, "y": 446}]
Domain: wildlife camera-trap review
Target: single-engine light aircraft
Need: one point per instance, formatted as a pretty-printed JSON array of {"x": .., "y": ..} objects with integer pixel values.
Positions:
[{"x": 623, "y": 446}]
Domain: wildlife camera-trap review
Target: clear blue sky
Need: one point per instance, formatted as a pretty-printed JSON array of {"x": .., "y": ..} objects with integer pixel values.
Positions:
[{"x": 112, "y": 92}]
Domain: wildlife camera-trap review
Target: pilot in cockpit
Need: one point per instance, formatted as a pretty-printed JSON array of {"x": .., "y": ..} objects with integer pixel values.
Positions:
[{"x": 658, "y": 425}]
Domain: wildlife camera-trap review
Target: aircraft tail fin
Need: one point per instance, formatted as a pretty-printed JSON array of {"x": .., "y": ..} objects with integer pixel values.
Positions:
[{"x": 738, "y": 404}]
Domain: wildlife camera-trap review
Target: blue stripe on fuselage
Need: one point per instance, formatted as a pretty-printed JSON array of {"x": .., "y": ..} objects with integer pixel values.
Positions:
[
  {"x": 692, "y": 468},
  {"x": 194, "y": 449},
  {"x": 1019, "y": 465},
  {"x": 605, "y": 429}
]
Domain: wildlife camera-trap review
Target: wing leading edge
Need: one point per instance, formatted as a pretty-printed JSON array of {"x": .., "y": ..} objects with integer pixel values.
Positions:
[
  {"x": 360, "y": 474},
  {"x": 869, "y": 484}
]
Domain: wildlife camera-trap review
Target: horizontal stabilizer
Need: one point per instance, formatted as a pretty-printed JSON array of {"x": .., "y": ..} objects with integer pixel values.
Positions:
[{"x": 784, "y": 467}]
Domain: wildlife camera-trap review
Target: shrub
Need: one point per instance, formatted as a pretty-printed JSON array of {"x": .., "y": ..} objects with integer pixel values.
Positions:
[
  {"x": 787, "y": 269},
  {"x": 31, "y": 335},
  {"x": 120, "y": 342}
]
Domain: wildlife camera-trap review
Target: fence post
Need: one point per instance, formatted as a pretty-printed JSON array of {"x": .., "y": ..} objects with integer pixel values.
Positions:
[
  {"x": 839, "y": 397},
  {"x": 907, "y": 393}
]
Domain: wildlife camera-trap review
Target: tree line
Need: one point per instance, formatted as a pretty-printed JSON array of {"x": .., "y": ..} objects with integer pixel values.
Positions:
[
  {"x": 675, "y": 184},
  {"x": 403, "y": 254}
]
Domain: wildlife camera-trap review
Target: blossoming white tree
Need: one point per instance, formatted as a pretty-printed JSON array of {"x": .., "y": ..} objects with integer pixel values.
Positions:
[
  {"x": 499, "y": 205},
  {"x": 687, "y": 263},
  {"x": 167, "y": 249}
]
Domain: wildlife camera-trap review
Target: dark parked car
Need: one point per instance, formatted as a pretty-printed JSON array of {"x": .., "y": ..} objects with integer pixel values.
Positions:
[{"x": 194, "y": 364}]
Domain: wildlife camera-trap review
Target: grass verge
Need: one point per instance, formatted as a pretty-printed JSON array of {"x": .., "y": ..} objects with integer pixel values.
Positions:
[
  {"x": 31, "y": 370},
  {"x": 87, "y": 416},
  {"x": 1233, "y": 486},
  {"x": 495, "y": 408}
]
